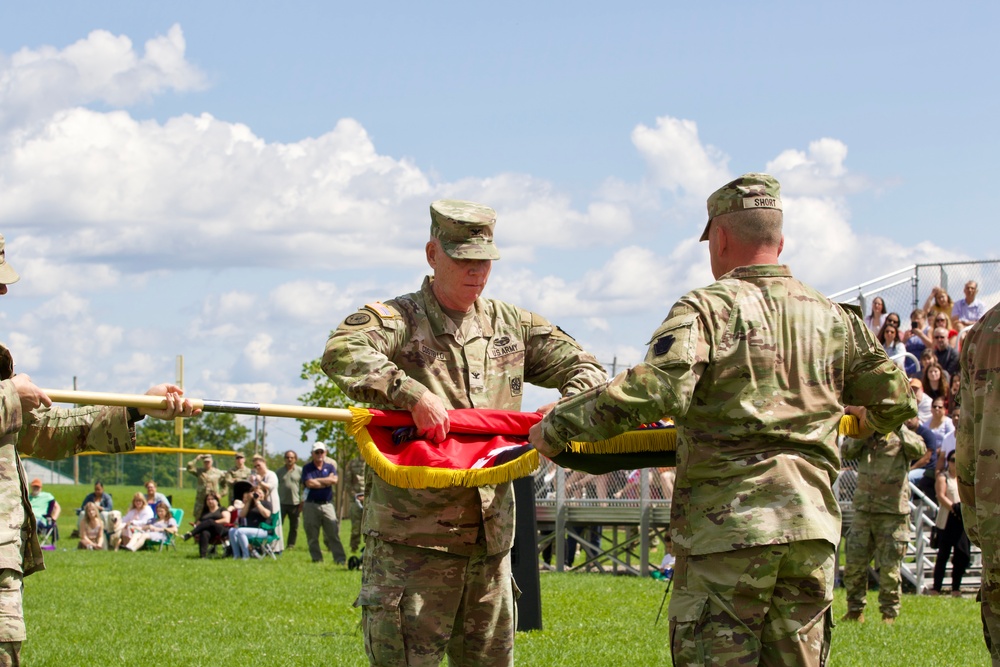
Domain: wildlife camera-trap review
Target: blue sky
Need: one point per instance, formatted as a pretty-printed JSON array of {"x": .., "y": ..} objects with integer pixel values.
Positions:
[{"x": 229, "y": 180}]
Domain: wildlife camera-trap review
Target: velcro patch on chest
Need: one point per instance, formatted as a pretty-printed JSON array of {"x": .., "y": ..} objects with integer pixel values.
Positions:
[{"x": 431, "y": 353}]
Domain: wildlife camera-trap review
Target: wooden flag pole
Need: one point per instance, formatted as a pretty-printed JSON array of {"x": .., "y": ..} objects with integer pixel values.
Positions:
[{"x": 236, "y": 407}]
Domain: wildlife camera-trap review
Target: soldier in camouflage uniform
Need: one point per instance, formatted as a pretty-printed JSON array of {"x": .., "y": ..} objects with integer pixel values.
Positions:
[
  {"x": 354, "y": 477},
  {"x": 238, "y": 473},
  {"x": 978, "y": 459},
  {"x": 209, "y": 477},
  {"x": 436, "y": 573},
  {"x": 29, "y": 426},
  {"x": 881, "y": 518},
  {"x": 757, "y": 369}
]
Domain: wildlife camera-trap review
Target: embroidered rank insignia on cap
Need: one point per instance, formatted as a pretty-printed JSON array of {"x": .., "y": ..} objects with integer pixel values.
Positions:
[
  {"x": 358, "y": 319},
  {"x": 663, "y": 345}
]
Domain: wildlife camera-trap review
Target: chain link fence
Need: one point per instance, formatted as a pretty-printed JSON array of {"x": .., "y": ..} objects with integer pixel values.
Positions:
[{"x": 908, "y": 289}]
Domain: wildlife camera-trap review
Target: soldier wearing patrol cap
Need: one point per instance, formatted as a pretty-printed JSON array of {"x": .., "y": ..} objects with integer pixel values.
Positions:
[
  {"x": 756, "y": 369},
  {"x": 436, "y": 575},
  {"x": 29, "y": 426}
]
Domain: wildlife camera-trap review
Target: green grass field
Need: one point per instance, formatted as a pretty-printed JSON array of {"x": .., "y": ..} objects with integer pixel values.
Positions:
[{"x": 172, "y": 608}]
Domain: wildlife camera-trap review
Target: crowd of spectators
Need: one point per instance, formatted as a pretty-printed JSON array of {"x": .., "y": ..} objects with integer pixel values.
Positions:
[{"x": 934, "y": 337}]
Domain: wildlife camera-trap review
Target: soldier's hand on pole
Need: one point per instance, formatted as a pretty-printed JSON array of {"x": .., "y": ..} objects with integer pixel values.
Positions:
[
  {"x": 31, "y": 396},
  {"x": 176, "y": 405}
]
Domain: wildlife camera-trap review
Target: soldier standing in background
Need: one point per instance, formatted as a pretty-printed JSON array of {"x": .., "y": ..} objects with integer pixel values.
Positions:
[
  {"x": 756, "y": 369},
  {"x": 209, "y": 477},
  {"x": 238, "y": 473},
  {"x": 354, "y": 476},
  {"x": 290, "y": 494},
  {"x": 978, "y": 459},
  {"x": 881, "y": 518},
  {"x": 436, "y": 575}
]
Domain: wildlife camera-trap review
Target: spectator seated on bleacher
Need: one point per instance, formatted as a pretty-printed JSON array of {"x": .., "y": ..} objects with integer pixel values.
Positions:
[
  {"x": 888, "y": 335},
  {"x": 137, "y": 516},
  {"x": 967, "y": 311},
  {"x": 916, "y": 338},
  {"x": 937, "y": 382},
  {"x": 43, "y": 506},
  {"x": 923, "y": 400},
  {"x": 91, "y": 528},
  {"x": 946, "y": 355},
  {"x": 938, "y": 303},
  {"x": 157, "y": 530},
  {"x": 922, "y": 470},
  {"x": 875, "y": 319},
  {"x": 944, "y": 428}
]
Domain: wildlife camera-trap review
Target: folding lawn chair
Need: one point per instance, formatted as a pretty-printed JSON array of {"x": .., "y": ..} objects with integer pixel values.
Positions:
[
  {"x": 667, "y": 575},
  {"x": 171, "y": 540},
  {"x": 266, "y": 543},
  {"x": 48, "y": 530}
]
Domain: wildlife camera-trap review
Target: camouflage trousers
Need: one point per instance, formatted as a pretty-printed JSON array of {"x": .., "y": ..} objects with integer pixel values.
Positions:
[
  {"x": 10, "y": 654},
  {"x": 880, "y": 535},
  {"x": 11, "y": 610},
  {"x": 767, "y": 605},
  {"x": 420, "y": 604},
  {"x": 989, "y": 592}
]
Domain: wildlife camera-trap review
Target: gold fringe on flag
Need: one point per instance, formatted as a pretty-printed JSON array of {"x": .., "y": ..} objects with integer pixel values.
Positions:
[
  {"x": 642, "y": 440},
  {"x": 425, "y": 477},
  {"x": 850, "y": 426}
]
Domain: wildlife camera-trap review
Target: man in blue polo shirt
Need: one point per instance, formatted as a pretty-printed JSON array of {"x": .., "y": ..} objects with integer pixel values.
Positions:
[{"x": 319, "y": 477}]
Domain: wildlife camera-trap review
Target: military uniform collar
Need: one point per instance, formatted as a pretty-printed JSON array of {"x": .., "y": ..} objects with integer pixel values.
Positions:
[
  {"x": 477, "y": 326},
  {"x": 759, "y": 271}
]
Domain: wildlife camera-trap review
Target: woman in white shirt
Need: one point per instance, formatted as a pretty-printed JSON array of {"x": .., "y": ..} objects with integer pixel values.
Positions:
[
  {"x": 138, "y": 515},
  {"x": 875, "y": 317}
]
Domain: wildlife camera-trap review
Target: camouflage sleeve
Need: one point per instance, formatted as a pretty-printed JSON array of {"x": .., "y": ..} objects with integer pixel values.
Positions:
[
  {"x": 554, "y": 359},
  {"x": 358, "y": 359},
  {"x": 10, "y": 408},
  {"x": 851, "y": 449},
  {"x": 913, "y": 445},
  {"x": 190, "y": 467},
  {"x": 872, "y": 381},
  {"x": 55, "y": 433},
  {"x": 661, "y": 386}
]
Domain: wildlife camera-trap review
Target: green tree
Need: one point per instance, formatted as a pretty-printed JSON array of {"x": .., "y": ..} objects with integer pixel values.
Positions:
[{"x": 325, "y": 394}]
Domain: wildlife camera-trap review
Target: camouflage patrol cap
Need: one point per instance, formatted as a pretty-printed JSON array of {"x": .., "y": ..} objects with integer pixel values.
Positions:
[
  {"x": 749, "y": 191},
  {"x": 7, "y": 274},
  {"x": 464, "y": 228}
]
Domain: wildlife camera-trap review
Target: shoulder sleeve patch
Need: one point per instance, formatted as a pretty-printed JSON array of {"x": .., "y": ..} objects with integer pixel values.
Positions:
[
  {"x": 372, "y": 316},
  {"x": 673, "y": 343}
]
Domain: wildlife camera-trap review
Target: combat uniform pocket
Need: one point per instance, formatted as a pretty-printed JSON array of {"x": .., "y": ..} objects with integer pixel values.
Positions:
[
  {"x": 382, "y": 624},
  {"x": 688, "y": 612}
]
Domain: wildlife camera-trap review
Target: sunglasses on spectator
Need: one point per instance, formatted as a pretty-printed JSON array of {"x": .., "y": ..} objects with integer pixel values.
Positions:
[{"x": 939, "y": 337}]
